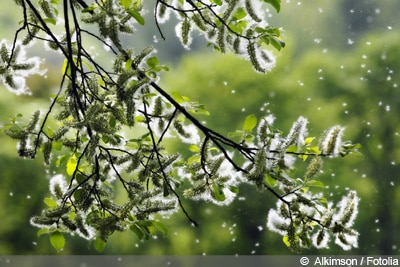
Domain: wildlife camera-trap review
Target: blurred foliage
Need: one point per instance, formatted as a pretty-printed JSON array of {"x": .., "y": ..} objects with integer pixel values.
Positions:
[{"x": 339, "y": 67}]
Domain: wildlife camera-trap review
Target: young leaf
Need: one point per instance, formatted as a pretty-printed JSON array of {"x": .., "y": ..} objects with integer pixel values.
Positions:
[
  {"x": 161, "y": 227},
  {"x": 234, "y": 189},
  {"x": 308, "y": 140},
  {"x": 217, "y": 2},
  {"x": 179, "y": 98},
  {"x": 292, "y": 149},
  {"x": 99, "y": 244},
  {"x": 218, "y": 193},
  {"x": 275, "y": 3},
  {"x": 315, "y": 183},
  {"x": 57, "y": 240},
  {"x": 72, "y": 163},
  {"x": 270, "y": 181},
  {"x": 194, "y": 159},
  {"x": 137, "y": 230},
  {"x": 152, "y": 62},
  {"x": 126, "y": 3},
  {"x": 286, "y": 241},
  {"x": 42, "y": 232},
  {"x": 51, "y": 203},
  {"x": 194, "y": 148},
  {"x": 136, "y": 15},
  {"x": 239, "y": 13},
  {"x": 275, "y": 42},
  {"x": 65, "y": 69},
  {"x": 249, "y": 123},
  {"x": 50, "y": 20}
]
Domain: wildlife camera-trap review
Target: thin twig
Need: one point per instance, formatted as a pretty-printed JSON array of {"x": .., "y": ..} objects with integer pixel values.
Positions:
[{"x": 164, "y": 175}]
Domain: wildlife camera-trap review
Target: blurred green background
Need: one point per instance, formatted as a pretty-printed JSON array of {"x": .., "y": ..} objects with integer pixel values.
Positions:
[{"x": 341, "y": 66}]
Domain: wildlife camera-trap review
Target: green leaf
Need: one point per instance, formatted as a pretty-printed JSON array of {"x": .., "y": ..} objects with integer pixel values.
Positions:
[
  {"x": 313, "y": 150},
  {"x": 308, "y": 140},
  {"x": 275, "y": 3},
  {"x": 323, "y": 200},
  {"x": 286, "y": 241},
  {"x": 275, "y": 42},
  {"x": 65, "y": 69},
  {"x": 137, "y": 230},
  {"x": 234, "y": 189},
  {"x": 140, "y": 119},
  {"x": 239, "y": 13},
  {"x": 57, "y": 145},
  {"x": 61, "y": 160},
  {"x": 51, "y": 203},
  {"x": 50, "y": 20},
  {"x": 249, "y": 123},
  {"x": 217, "y": 2},
  {"x": 194, "y": 148},
  {"x": 57, "y": 240},
  {"x": 161, "y": 227},
  {"x": 304, "y": 157},
  {"x": 149, "y": 228},
  {"x": 179, "y": 98},
  {"x": 270, "y": 181},
  {"x": 72, "y": 163},
  {"x": 126, "y": 3},
  {"x": 237, "y": 134},
  {"x": 197, "y": 108},
  {"x": 315, "y": 183},
  {"x": 136, "y": 15},
  {"x": 348, "y": 148},
  {"x": 89, "y": 9},
  {"x": 42, "y": 232},
  {"x": 152, "y": 62},
  {"x": 249, "y": 138},
  {"x": 194, "y": 159},
  {"x": 128, "y": 64},
  {"x": 218, "y": 193},
  {"x": 292, "y": 149},
  {"x": 99, "y": 244}
]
